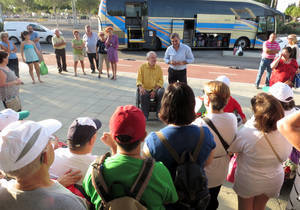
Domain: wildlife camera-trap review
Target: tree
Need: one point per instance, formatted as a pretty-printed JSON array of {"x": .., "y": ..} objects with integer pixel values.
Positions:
[
  {"x": 267, "y": 2},
  {"x": 87, "y": 6},
  {"x": 293, "y": 11},
  {"x": 55, "y": 4}
]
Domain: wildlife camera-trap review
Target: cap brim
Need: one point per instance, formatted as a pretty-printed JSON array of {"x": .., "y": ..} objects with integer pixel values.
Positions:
[
  {"x": 23, "y": 114},
  {"x": 98, "y": 123},
  {"x": 51, "y": 125}
]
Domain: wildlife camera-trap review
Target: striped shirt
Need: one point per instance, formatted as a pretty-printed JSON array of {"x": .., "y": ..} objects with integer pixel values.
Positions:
[{"x": 270, "y": 46}]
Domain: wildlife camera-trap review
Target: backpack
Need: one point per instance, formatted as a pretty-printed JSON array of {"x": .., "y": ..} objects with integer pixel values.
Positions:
[
  {"x": 190, "y": 180},
  {"x": 131, "y": 200}
]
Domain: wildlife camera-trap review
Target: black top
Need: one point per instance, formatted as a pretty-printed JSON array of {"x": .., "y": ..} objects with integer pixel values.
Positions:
[{"x": 101, "y": 47}]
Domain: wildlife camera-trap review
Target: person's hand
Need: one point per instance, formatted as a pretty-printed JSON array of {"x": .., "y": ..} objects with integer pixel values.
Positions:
[
  {"x": 244, "y": 120},
  {"x": 174, "y": 63},
  {"x": 152, "y": 94},
  {"x": 180, "y": 63},
  {"x": 142, "y": 90},
  {"x": 23, "y": 60},
  {"x": 54, "y": 141},
  {"x": 18, "y": 81},
  {"x": 108, "y": 140},
  {"x": 1, "y": 175},
  {"x": 69, "y": 178}
]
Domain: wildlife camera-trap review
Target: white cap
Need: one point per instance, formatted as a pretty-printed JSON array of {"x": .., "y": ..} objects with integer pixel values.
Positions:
[
  {"x": 282, "y": 92},
  {"x": 224, "y": 79},
  {"x": 22, "y": 142},
  {"x": 8, "y": 116}
]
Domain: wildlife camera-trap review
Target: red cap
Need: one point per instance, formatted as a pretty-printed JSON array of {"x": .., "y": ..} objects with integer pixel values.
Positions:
[{"x": 130, "y": 121}]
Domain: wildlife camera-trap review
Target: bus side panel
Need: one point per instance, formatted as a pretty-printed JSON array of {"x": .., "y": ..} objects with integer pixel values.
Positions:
[
  {"x": 117, "y": 22},
  {"x": 163, "y": 27},
  {"x": 244, "y": 28}
]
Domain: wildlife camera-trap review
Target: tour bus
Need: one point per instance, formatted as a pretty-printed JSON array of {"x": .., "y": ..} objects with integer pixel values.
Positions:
[{"x": 147, "y": 24}]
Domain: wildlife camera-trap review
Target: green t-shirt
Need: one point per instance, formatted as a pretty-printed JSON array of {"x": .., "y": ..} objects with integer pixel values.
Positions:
[
  {"x": 159, "y": 191},
  {"x": 77, "y": 43}
]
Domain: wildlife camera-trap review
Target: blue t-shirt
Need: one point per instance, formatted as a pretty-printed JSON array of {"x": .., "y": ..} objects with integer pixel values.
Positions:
[
  {"x": 11, "y": 55},
  {"x": 33, "y": 36},
  {"x": 181, "y": 138}
]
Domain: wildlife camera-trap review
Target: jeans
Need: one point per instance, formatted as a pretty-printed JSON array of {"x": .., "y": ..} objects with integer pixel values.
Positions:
[
  {"x": 92, "y": 57},
  {"x": 13, "y": 64},
  {"x": 145, "y": 101},
  {"x": 264, "y": 64},
  {"x": 61, "y": 57},
  {"x": 214, "y": 203},
  {"x": 177, "y": 75}
]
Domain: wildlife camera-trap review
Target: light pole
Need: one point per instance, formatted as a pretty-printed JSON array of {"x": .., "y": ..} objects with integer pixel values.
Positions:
[{"x": 74, "y": 13}]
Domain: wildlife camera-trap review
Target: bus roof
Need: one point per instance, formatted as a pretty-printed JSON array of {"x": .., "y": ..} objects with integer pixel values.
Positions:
[{"x": 190, "y": 8}]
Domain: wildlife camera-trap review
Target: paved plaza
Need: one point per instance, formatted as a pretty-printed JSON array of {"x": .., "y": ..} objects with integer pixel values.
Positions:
[{"x": 65, "y": 97}]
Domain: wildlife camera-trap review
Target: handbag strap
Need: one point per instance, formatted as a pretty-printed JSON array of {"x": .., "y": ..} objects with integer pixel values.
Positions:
[
  {"x": 274, "y": 151},
  {"x": 213, "y": 127}
]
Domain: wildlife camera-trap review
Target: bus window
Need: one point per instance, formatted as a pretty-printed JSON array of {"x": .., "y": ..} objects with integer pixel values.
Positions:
[
  {"x": 270, "y": 24},
  {"x": 133, "y": 10},
  {"x": 262, "y": 25}
]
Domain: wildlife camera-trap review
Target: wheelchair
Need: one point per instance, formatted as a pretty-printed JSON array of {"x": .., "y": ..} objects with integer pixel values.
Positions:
[{"x": 152, "y": 102}]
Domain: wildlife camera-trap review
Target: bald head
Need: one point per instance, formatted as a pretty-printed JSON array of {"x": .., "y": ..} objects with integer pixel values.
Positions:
[{"x": 56, "y": 32}]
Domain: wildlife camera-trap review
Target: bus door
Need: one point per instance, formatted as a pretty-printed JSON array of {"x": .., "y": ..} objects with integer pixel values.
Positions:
[
  {"x": 178, "y": 27},
  {"x": 266, "y": 26},
  {"x": 136, "y": 22}
]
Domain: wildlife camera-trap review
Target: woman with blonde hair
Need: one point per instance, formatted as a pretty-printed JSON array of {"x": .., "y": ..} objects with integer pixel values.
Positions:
[
  {"x": 112, "y": 44},
  {"x": 292, "y": 42},
  {"x": 261, "y": 150},
  {"x": 223, "y": 126}
]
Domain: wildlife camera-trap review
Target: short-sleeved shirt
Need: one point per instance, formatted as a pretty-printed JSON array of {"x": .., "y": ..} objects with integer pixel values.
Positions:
[
  {"x": 258, "y": 169},
  {"x": 55, "y": 197},
  {"x": 150, "y": 77},
  {"x": 12, "y": 55},
  {"x": 125, "y": 169},
  {"x": 58, "y": 40},
  {"x": 226, "y": 123},
  {"x": 65, "y": 160},
  {"x": 271, "y": 46},
  {"x": 77, "y": 43},
  {"x": 90, "y": 42},
  {"x": 181, "y": 138},
  {"x": 33, "y": 36},
  {"x": 101, "y": 47}
]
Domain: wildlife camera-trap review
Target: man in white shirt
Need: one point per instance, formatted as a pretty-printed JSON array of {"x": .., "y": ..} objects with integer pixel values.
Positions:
[
  {"x": 26, "y": 154},
  {"x": 82, "y": 135},
  {"x": 90, "y": 38},
  {"x": 178, "y": 55}
]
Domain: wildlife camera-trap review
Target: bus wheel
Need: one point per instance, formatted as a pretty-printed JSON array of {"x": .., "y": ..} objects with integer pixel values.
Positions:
[
  {"x": 157, "y": 44},
  {"x": 243, "y": 42}
]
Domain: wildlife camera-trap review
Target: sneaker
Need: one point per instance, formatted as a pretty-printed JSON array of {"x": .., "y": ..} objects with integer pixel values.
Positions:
[
  {"x": 59, "y": 70},
  {"x": 65, "y": 70},
  {"x": 93, "y": 72}
]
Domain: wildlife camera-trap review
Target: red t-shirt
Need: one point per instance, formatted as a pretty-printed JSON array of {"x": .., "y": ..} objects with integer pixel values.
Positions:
[
  {"x": 233, "y": 105},
  {"x": 284, "y": 72}
]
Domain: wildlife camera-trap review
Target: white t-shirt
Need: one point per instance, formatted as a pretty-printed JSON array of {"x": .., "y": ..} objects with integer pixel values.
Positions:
[
  {"x": 226, "y": 124},
  {"x": 55, "y": 197},
  {"x": 65, "y": 160},
  {"x": 258, "y": 169}
]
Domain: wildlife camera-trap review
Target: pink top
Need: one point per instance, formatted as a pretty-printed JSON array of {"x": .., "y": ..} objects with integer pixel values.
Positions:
[{"x": 271, "y": 46}]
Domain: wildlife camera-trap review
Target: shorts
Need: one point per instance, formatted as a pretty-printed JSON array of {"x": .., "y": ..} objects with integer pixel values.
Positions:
[
  {"x": 29, "y": 62},
  {"x": 78, "y": 57}
]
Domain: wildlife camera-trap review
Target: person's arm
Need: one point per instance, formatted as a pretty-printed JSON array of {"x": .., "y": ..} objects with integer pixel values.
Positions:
[
  {"x": 167, "y": 56},
  {"x": 189, "y": 56},
  {"x": 6, "y": 49},
  {"x": 210, "y": 158},
  {"x": 55, "y": 44},
  {"x": 108, "y": 140},
  {"x": 70, "y": 177},
  {"x": 160, "y": 81},
  {"x": 37, "y": 38},
  {"x": 22, "y": 51},
  {"x": 275, "y": 63},
  {"x": 37, "y": 51},
  {"x": 289, "y": 127},
  {"x": 3, "y": 82},
  {"x": 139, "y": 81},
  {"x": 15, "y": 49}
]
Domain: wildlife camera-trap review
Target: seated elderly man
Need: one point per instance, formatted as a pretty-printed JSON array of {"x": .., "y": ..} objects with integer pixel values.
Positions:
[
  {"x": 150, "y": 83},
  {"x": 26, "y": 154}
]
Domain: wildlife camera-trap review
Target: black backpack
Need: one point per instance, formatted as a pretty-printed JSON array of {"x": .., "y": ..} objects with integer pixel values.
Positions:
[{"x": 190, "y": 180}]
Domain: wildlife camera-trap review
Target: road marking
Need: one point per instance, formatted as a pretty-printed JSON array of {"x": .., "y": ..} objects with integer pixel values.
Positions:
[
  {"x": 222, "y": 73},
  {"x": 120, "y": 64}
]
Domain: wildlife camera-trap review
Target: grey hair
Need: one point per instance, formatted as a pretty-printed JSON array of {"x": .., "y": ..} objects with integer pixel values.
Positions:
[
  {"x": 2, "y": 34},
  {"x": 150, "y": 53},
  {"x": 174, "y": 35}
]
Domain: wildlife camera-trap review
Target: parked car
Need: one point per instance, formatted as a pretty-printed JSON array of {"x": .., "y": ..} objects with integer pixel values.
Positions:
[
  {"x": 282, "y": 41},
  {"x": 15, "y": 28}
]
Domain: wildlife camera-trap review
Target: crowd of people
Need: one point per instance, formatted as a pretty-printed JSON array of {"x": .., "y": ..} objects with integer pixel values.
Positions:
[{"x": 38, "y": 171}]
